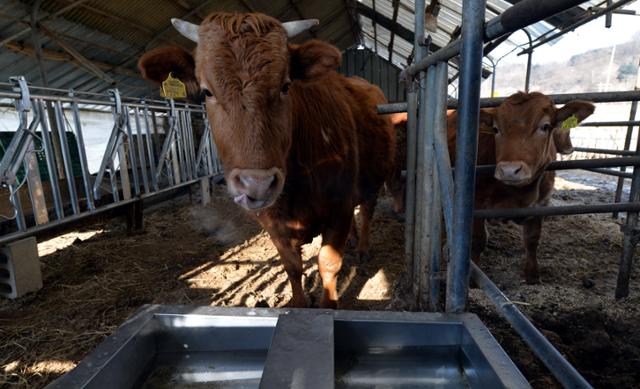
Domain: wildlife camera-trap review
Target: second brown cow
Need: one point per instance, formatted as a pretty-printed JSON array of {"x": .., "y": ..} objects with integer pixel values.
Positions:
[{"x": 521, "y": 137}]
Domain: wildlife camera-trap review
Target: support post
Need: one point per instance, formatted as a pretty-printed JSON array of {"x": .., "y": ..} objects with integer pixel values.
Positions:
[{"x": 466, "y": 151}]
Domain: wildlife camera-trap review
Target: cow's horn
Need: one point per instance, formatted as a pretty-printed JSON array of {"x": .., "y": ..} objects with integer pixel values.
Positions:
[
  {"x": 298, "y": 26},
  {"x": 189, "y": 30}
]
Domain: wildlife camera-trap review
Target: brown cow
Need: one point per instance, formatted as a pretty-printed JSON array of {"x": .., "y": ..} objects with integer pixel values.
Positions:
[
  {"x": 301, "y": 144},
  {"x": 521, "y": 137}
]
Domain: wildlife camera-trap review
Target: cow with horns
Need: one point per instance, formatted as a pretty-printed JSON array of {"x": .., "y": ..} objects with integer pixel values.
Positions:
[
  {"x": 521, "y": 137},
  {"x": 301, "y": 144}
]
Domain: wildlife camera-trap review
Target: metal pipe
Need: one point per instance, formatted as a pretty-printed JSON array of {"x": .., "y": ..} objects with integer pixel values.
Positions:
[
  {"x": 466, "y": 151},
  {"x": 66, "y": 158},
  {"x": 627, "y": 142},
  {"x": 82, "y": 153},
  {"x": 631, "y": 234},
  {"x": 65, "y": 99},
  {"x": 49, "y": 156},
  {"x": 509, "y": 213},
  {"x": 17, "y": 206},
  {"x": 577, "y": 24},
  {"x": 603, "y": 151},
  {"x": 132, "y": 153},
  {"x": 150, "y": 148},
  {"x": 520, "y": 15},
  {"x": 598, "y": 97},
  {"x": 527, "y": 78},
  {"x": 620, "y": 123},
  {"x": 574, "y": 164},
  {"x": 610, "y": 172},
  {"x": 566, "y": 374},
  {"x": 143, "y": 160}
]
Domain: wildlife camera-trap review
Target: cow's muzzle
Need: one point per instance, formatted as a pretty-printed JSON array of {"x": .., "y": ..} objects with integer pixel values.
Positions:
[
  {"x": 514, "y": 173},
  {"x": 255, "y": 189}
]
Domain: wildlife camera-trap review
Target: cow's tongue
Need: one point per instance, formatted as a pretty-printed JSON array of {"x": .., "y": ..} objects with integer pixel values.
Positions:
[
  {"x": 245, "y": 202},
  {"x": 242, "y": 200}
]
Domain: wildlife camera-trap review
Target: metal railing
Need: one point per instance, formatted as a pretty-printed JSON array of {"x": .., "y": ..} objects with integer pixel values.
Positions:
[
  {"x": 141, "y": 157},
  {"x": 432, "y": 188}
]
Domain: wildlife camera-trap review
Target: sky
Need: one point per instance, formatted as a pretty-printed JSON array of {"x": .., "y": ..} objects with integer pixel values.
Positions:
[{"x": 591, "y": 36}]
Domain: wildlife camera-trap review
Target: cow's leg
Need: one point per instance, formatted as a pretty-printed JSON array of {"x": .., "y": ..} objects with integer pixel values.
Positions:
[
  {"x": 366, "y": 215},
  {"x": 479, "y": 239},
  {"x": 330, "y": 262},
  {"x": 531, "y": 230},
  {"x": 292, "y": 261}
]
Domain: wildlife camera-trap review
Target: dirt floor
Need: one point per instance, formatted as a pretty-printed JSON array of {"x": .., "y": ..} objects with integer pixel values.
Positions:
[{"x": 99, "y": 275}]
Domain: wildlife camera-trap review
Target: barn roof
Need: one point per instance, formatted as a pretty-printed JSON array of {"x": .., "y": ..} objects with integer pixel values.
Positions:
[{"x": 92, "y": 45}]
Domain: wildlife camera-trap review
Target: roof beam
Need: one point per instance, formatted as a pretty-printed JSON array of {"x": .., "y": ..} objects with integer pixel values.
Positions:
[
  {"x": 44, "y": 18},
  {"x": 52, "y": 55},
  {"x": 354, "y": 23},
  {"x": 295, "y": 7},
  {"x": 80, "y": 59},
  {"x": 394, "y": 19}
]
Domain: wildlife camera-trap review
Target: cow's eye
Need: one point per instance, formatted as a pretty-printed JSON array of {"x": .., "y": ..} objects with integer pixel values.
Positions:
[
  {"x": 546, "y": 127},
  {"x": 207, "y": 92},
  {"x": 285, "y": 88},
  {"x": 495, "y": 130}
]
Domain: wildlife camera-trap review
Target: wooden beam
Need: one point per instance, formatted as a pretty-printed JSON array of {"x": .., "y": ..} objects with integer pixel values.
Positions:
[
  {"x": 394, "y": 19},
  {"x": 52, "y": 55}
]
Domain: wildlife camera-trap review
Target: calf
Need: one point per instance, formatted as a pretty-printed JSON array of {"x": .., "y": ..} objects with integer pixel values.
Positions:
[
  {"x": 301, "y": 144},
  {"x": 521, "y": 137}
]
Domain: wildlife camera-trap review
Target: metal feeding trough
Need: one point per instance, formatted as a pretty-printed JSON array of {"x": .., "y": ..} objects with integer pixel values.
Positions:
[{"x": 189, "y": 347}]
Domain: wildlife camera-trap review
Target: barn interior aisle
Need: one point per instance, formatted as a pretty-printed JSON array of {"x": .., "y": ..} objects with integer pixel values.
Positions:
[{"x": 116, "y": 184}]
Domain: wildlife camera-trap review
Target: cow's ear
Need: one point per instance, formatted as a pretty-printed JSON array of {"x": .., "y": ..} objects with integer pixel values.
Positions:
[
  {"x": 155, "y": 66},
  {"x": 313, "y": 59},
  {"x": 580, "y": 108}
]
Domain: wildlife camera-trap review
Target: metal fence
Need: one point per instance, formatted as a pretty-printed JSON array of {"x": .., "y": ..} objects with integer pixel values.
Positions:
[
  {"x": 153, "y": 147},
  {"x": 435, "y": 194}
]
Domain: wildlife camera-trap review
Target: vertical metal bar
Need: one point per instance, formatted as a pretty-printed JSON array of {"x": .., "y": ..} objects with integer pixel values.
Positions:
[
  {"x": 114, "y": 182},
  {"x": 51, "y": 163},
  {"x": 182, "y": 149},
  {"x": 631, "y": 232},
  {"x": 150, "y": 148},
  {"x": 627, "y": 140},
  {"x": 466, "y": 151},
  {"x": 17, "y": 206},
  {"x": 627, "y": 144},
  {"x": 175, "y": 159},
  {"x": 143, "y": 160},
  {"x": 125, "y": 183},
  {"x": 66, "y": 158},
  {"x": 82, "y": 152},
  {"x": 410, "y": 183},
  {"x": 608, "y": 17},
  {"x": 130, "y": 146},
  {"x": 156, "y": 135},
  {"x": 527, "y": 78}
]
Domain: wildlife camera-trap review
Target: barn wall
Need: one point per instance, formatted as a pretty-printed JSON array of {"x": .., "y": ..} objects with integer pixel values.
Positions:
[{"x": 366, "y": 64}]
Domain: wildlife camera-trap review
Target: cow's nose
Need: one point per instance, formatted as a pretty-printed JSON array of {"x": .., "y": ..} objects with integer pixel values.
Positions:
[
  {"x": 254, "y": 189},
  {"x": 513, "y": 172}
]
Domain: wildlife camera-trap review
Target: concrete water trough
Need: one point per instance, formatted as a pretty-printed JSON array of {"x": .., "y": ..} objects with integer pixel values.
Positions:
[{"x": 180, "y": 346}]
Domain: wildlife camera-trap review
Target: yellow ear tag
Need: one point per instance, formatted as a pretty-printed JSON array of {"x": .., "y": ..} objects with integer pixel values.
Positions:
[
  {"x": 569, "y": 123},
  {"x": 173, "y": 88}
]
